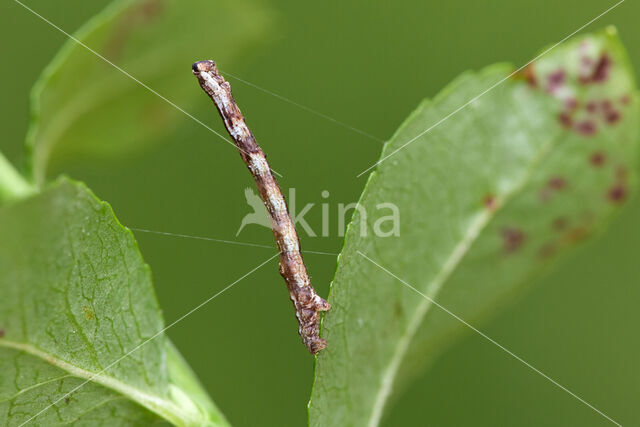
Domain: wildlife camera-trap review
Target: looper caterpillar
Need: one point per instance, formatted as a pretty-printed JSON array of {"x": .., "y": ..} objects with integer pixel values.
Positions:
[{"x": 306, "y": 302}]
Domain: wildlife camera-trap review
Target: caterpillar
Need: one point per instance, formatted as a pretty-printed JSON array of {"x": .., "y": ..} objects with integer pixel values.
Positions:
[{"x": 306, "y": 302}]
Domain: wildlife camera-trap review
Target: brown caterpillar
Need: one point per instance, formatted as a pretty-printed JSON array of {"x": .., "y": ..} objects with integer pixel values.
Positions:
[{"x": 306, "y": 301}]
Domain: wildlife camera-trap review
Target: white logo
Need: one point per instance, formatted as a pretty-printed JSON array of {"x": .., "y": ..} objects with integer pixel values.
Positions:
[
  {"x": 259, "y": 216},
  {"x": 383, "y": 226}
]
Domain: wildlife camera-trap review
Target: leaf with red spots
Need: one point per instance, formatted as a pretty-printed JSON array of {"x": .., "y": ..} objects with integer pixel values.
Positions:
[
  {"x": 84, "y": 108},
  {"x": 487, "y": 198}
]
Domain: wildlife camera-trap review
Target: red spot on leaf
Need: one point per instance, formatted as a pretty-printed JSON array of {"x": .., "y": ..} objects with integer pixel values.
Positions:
[
  {"x": 577, "y": 234},
  {"x": 555, "y": 80},
  {"x": 151, "y": 9},
  {"x": 598, "y": 159},
  {"x": 571, "y": 104},
  {"x": 617, "y": 193},
  {"x": 612, "y": 116},
  {"x": 528, "y": 75},
  {"x": 595, "y": 73},
  {"x": 489, "y": 202},
  {"x": 557, "y": 183},
  {"x": 591, "y": 106},
  {"x": 398, "y": 310},
  {"x": 586, "y": 128},
  {"x": 625, "y": 99},
  {"x": 560, "y": 223},
  {"x": 565, "y": 119},
  {"x": 602, "y": 69},
  {"x": 2, "y": 332},
  {"x": 512, "y": 239}
]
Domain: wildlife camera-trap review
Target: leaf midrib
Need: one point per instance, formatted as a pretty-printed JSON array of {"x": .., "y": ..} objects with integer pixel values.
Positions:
[
  {"x": 433, "y": 288},
  {"x": 156, "y": 404}
]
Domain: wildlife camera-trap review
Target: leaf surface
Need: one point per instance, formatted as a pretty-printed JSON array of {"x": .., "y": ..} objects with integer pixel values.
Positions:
[
  {"x": 489, "y": 197},
  {"x": 78, "y": 306},
  {"x": 83, "y": 107}
]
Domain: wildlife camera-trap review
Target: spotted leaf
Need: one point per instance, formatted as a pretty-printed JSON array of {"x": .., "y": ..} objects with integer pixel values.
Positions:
[{"x": 489, "y": 197}]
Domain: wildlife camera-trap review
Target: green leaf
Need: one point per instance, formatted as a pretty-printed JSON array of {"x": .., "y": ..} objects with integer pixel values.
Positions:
[
  {"x": 12, "y": 185},
  {"x": 83, "y": 107},
  {"x": 489, "y": 197},
  {"x": 77, "y": 297}
]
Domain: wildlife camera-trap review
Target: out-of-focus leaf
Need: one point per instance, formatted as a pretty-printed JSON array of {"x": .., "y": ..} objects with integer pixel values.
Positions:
[
  {"x": 486, "y": 199},
  {"x": 12, "y": 185},
  {"x": 77, "y": 297},
  {"x": 84, "y": 107}
]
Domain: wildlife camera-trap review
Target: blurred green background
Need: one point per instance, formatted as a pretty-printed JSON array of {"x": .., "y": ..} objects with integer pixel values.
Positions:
[{"x": 368, "y": 64}]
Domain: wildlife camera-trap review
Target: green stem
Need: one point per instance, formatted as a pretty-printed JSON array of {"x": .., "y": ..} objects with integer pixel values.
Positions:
[{"x": 12, "y": 185}]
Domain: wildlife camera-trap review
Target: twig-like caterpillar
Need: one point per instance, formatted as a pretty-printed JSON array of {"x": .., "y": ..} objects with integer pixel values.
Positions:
[{"x": 306, "y": 302}]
